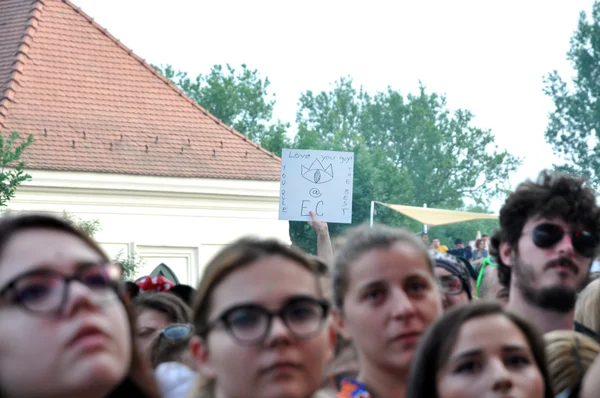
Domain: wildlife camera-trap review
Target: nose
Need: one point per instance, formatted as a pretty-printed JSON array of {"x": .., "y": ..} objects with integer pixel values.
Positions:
[
  {"x": 565, "y": 245},
  {"x": 502, "y": 380},
  {"x": 401, "y": 306},
  {"x": 78, "y": 296},
  {"x": 279, "y": 333}
]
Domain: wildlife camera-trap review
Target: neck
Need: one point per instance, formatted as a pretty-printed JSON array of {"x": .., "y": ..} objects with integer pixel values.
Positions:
[
  {"x": 545, "y": 320},
  {"x": 382, "y": 384}
]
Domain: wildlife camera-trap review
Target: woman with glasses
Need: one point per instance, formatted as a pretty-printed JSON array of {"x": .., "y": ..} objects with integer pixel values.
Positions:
[
  {"x": 261, "y": 322},
  {"x": 386, "y": 295},
  {"x": 65, "y": 330},
  {"x": 454, "y": 279}
]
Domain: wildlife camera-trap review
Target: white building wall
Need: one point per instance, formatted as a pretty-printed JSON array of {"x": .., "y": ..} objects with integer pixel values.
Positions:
[{"x": 181, "y": 222}]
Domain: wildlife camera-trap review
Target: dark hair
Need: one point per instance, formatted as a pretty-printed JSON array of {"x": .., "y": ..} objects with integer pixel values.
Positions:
[
  {"x": 552, "y": 195},
  {"x": 458, "y": 241},
  {"x": 436, "y": 346},
  {"x": 169, "y": 304},
  {"x": 167, "y": 350},
  {"x": 484, "y": 236},
  {"x": 140, "y": 380},
  {"x": 361, "y": 240},
  {"x": 321, "y": 266},
  {"x": 184, "y": 292}
]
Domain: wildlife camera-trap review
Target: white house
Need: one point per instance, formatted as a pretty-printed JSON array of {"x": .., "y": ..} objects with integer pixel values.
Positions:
[{"x": 117, "y": 142}]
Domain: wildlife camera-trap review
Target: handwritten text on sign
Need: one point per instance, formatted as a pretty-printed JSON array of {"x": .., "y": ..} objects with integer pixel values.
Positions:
[{"x": 320, "y": 181}]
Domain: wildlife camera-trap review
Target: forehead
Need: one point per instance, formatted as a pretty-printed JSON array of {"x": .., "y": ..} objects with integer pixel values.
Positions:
[
  {"x": 397, "y": 261},
  {"x": 269, "y": 281},
  {"x": 439, "y": 271},
  {"x": 492, "y": 330},
  {"x": 54, "y": 249}
]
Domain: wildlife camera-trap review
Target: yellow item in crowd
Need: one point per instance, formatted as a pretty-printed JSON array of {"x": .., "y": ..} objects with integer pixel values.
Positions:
[{"x": 441, "y": 249}]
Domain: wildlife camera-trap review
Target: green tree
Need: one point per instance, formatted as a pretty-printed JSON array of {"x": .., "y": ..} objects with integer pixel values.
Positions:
[
  {"x": 240, "y": 98},
  {"x": 13, "y": 169},
  {"x": 130, "y": 263},
  {"x": 90, "y": 227},
  {"x": 574, "y": 125},
  {"x": 408, "y": 149}
]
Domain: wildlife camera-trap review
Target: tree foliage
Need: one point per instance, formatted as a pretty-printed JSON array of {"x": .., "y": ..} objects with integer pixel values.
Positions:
[
  {"x": 90, "y": 227},
  {"x": 13, "y": 169},
  {"x": 574, "y": 125},
  {"x": 240, "y": 98},
  {"x": 130, "y": 263},
  {"x": 408, "y": 149}
]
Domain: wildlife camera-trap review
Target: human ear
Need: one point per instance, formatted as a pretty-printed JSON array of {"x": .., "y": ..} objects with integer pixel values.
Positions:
[
  {"x": 200, "y": 354},
  {"x": 506, "y": 253}
]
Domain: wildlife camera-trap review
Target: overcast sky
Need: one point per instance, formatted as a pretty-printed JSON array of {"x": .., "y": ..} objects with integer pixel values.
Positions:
[{"x": 488, "y": 57}]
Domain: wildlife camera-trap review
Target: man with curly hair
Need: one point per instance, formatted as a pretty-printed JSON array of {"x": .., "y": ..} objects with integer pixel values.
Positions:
[{"x": 548, "y": 237}]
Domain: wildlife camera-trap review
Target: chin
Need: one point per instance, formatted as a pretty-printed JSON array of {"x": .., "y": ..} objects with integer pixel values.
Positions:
[
  {"x": 292, "y": 389},
  {"x": 102, "y": 370}
]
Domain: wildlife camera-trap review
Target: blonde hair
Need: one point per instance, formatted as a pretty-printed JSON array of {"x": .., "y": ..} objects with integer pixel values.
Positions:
[
  {"x": 569, "y": 355},
  {"x": 587, "y": 308}
]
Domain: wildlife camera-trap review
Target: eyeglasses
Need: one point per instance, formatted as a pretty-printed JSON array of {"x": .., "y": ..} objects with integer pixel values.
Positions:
[
  {"x": 45, "y": 291},
  {"x": 451, "y": 284},
  {"x": 546, "y": 235},
  {"x": 176, "y": 332},
  {"x": 250, "y": 324}
]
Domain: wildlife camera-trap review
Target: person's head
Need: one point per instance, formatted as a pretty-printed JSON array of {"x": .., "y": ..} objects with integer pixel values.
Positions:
[
  {"x": 480, "y": 350},
  {"x": 454, "y": 279},
  {"x": 488, "y": 284},
  {"x": 386, "y": 295},
  {"x": 65, "y": 329},
  {"x": 458, "y": 243},
  {"x": 547, "y": 239},
  {"x": 485, "y": 238},
  {"x": 173, "y": 345},
  {"x": 262, "y": 322},
  {"x": 569, "y": 355},
  {"x": 587, "y": 308},
  {"x": 479, "y": 244},
  {"x": 435, "y": 243},
  {"x": 425, "y": 238},
  {"x": 156, "y": 311}
]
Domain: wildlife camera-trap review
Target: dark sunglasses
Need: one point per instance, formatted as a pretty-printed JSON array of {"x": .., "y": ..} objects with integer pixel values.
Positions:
[{"x": 546, "y": 235}]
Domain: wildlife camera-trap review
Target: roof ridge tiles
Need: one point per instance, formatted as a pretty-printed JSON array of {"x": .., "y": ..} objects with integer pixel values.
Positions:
[
  {"x": 132, "y": 54},
  {"x": 6, "y": 97}
]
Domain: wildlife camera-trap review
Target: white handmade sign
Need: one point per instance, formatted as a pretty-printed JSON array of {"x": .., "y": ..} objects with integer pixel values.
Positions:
[{"x": 320, "y": 181}]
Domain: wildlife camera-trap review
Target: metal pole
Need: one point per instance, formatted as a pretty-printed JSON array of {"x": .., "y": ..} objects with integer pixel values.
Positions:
[
  {"x": 425, "y": 225},
  {"x": 372, "y": 212}
]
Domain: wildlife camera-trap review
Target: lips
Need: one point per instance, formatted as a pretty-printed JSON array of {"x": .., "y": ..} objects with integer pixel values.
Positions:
[
  {"x": 407, "y": 337},
  {"x": 563, "y": 263},
  {"x": 282, "y": 367},
  {"x": 87, "y": 332}
]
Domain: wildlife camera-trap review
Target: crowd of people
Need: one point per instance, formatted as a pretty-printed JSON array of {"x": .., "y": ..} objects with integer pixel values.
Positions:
[{"x": 377, "y": 313}]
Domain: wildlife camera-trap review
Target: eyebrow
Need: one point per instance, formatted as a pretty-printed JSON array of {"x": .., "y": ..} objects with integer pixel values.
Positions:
[{"x": 477, "y": 352}]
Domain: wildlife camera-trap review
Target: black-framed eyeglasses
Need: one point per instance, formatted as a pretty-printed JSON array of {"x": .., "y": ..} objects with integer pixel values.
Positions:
[
  {"x": 176, "y": 332},
  {"x": 250, "y": 324},
  {"x": 451, "y": 284},
  {"x": 45, "y": 291},
  {"x": 546, "y": 235}
]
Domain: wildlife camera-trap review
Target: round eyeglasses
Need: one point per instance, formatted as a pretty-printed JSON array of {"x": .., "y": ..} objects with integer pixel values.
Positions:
[
  {"x": 250, "y": 324},
  {"x": 451, "y": 285},
  {"x": 45, "y": 291}
]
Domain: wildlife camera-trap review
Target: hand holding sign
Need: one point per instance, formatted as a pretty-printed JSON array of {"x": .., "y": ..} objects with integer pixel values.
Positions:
[{"x": 317, "y": 181}]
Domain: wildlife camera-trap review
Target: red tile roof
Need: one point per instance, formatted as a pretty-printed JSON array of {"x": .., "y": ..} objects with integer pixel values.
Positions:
[{"x": 95, "y": 106}]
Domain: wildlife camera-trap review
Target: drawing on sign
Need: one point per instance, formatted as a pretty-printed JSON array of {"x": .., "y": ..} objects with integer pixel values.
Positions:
[
  {"x": 317, "y": 173},
  {"x": 315, "y": 193}
]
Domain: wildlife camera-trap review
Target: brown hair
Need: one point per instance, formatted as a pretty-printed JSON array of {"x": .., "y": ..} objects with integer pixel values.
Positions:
[
  {"x": 140, "y": 380},
  {"x": 237, "y": 255},
  {"x": 176, "y": 310},
  {"x": 587, "y": 307},
  {"x": 553, "y": 194},
  {"x": 569, "y": 355},
  {"x": 361, "y": 240},
  {"x": 436, "y": 346}
]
